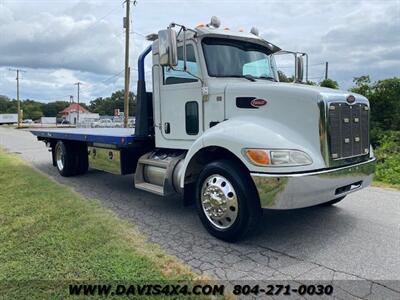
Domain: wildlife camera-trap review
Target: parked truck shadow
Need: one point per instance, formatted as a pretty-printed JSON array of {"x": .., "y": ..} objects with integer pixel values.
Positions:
[{"x": 307, "y": 230}]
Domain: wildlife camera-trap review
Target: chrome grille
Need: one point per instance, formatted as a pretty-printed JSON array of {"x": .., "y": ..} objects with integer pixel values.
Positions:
[{"x": 348, "y": 127}]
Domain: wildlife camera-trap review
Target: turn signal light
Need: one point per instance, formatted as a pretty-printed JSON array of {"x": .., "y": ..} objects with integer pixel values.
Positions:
[
  {"x": 277, "y": 158},
  {"x": 258, "y": 157}
]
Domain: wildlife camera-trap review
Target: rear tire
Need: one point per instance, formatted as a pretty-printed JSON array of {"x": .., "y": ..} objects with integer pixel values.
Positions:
[
  {"x": 227, "y": 201},
  {"x": 332, "y": 202},
  {"x": 66, "y": 161}
]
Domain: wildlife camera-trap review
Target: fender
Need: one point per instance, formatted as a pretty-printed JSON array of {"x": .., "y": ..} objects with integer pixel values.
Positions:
[{"x": 255, "y": 132}]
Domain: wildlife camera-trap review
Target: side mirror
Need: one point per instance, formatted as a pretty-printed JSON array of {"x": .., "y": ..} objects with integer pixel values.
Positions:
[
  {"x": 299, "y": 68},
  {"x": 168, "y": 49}
]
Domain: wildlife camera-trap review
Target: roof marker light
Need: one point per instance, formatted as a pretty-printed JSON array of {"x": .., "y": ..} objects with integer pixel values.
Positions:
[
  {"x": 215, "y": 22},
  {"x": 254, "y": 31}
]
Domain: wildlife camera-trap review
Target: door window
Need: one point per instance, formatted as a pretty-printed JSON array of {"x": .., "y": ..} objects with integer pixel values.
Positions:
[
  {"x": 192, "y": 117},
  {"x": 177, "y": 75}
]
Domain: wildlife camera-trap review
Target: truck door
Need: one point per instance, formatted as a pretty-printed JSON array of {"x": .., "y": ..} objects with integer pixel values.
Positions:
[{"x": 180, "y": 99}]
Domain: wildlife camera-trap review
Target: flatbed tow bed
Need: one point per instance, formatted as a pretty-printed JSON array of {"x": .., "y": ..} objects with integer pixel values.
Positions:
[
  {"x": 118, "y": 137},
  {"x": 115, "y": 150}
]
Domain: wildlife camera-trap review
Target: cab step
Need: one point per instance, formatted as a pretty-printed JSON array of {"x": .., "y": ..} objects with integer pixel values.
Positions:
[{"x": 155, "y": 172}]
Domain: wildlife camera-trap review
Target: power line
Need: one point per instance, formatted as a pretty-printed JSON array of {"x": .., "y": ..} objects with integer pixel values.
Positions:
[
  {"x": 102, "y": 18},
  {"x": 111, "y": 77},
  {"x": 139, "y": 34}
]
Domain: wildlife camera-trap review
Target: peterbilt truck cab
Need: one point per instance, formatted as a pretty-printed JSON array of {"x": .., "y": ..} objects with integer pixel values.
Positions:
[{"x": 220, "y": 129}]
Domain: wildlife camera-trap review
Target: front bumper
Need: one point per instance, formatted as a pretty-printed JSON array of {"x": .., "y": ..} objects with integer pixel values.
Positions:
[{"x": 289, "y": 191}]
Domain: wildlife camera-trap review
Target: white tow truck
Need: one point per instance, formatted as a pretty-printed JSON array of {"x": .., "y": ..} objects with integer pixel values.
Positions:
[{"x": 221, "y": 130}]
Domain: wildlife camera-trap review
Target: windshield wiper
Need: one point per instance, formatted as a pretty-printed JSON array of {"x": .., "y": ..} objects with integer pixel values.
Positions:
[
  {"x": 249, "y": 77},
  {"x": 267, "y": 78}
]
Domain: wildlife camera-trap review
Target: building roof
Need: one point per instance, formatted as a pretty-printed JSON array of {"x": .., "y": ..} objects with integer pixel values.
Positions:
[{"x": 74, "y": 107}]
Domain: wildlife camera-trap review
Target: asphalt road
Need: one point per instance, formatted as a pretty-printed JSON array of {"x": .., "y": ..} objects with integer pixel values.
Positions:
[{"x": 357, "y": 239}]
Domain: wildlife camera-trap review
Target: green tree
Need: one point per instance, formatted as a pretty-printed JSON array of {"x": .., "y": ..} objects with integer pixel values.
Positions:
[
  {"x": 4, "y": 101},
  {"x": 384, "y": 97},
  {"x": 310, "y": 82},
  {"x": 329, "y": 83},
  {"x": 31, "y": 109},
  {"x": 363, "y": 85},
  {"x": 34, "y": 115},
  {"x": 52, "y": 109},
  {"x": 12, "y": 107},
  {"x": 106, "y": 106},
  {"x": 284, "y": 78}
]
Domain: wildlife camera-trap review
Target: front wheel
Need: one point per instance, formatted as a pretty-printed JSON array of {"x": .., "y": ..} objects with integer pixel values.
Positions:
[{"x": 227, "y": 201}]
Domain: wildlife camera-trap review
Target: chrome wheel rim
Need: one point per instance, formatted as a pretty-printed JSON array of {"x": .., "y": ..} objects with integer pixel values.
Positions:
[
  {"x": 60, "y": 157},
  {"x": 219, "y": 201}
]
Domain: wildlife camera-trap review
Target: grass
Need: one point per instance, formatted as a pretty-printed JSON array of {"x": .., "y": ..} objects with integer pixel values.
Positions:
[
  {"x": 48, "y": 233},
  {"x": 381, "y": 184}
]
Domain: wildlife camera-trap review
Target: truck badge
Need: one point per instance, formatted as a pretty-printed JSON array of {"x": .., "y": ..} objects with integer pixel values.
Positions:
[
  {"x": 350, "y": 99},
  {"x": 258, "y": 102}
]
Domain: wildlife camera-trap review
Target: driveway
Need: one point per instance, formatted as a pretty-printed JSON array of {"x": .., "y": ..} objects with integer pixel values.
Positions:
[{"x": 358, "y": 239}]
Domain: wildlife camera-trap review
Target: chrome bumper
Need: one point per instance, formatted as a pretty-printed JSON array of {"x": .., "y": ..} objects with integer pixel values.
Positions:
[{"x": 288, "y": 191}]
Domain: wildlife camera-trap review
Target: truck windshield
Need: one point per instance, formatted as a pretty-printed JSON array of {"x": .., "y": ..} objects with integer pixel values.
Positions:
[{"x": 234, "y": 58}]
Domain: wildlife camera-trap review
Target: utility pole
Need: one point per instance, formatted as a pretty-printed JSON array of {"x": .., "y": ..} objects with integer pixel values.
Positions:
[
  {"x": 326, "y": 70},
  {"x": 78, "y": 84},
  {"x": 18, "y": 101},
  {"x": 127, "y": 69}
]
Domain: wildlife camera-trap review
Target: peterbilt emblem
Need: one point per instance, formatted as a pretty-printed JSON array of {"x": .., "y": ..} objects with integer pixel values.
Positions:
[
  {"x": 258, "y": 102},
  {"x": 350, "y": 99},
  {"x": 250, "y": 102}
]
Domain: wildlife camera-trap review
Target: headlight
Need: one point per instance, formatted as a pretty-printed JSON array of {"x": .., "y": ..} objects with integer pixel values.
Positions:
[{"x": 284, "y": 158}]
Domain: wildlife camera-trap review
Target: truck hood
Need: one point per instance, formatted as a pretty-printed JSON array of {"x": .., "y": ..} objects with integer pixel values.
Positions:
[
  {"x": 294, "y": 112},
  {"x": 287, "y": 88}
]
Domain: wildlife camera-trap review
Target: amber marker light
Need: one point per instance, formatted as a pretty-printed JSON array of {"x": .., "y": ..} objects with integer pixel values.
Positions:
[{"x": 258, "y": 157}]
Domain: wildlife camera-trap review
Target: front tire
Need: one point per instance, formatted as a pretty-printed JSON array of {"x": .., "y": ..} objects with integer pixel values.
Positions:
[{"x": 227, "y": 201}]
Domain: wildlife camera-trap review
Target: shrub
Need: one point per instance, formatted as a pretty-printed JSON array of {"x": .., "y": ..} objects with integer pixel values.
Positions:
[{"x": 388, "y": 158}]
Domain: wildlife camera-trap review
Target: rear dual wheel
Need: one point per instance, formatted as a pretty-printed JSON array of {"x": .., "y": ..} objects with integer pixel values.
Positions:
[{"x": 71, "y": 158}]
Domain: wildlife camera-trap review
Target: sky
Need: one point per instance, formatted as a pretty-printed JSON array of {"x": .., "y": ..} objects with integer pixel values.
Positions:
[{"x": 58, "y": 42}]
